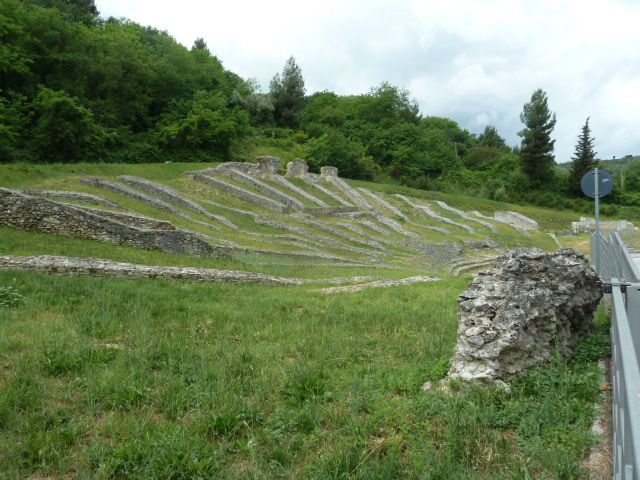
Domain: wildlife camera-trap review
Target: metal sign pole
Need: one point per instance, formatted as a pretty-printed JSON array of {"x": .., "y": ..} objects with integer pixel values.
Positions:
[
  {"x": 594, "y": 184},
  {"x": 596, "y": 260}
]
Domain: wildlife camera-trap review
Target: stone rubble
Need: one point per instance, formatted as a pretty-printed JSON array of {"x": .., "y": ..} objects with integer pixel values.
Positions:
[
  {"x": 379, "y": 284},
  {"x": 97, "y": 267},
  {"x": 518, "y": 314}
]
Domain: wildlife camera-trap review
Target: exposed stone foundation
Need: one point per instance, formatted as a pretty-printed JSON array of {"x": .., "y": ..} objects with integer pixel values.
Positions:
[
  {"x": 75, "y": 196},
  {"x": 107, "y": 268},
  {"x": 517, "y": 220},
  {"x": 31, "y": 213}
]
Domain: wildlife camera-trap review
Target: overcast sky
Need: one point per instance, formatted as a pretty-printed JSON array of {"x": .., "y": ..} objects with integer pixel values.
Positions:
[{"x": 475, "y": 61}]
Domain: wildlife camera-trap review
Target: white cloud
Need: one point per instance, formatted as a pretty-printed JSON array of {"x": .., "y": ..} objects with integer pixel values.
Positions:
[{"x": 475, "y": 62}]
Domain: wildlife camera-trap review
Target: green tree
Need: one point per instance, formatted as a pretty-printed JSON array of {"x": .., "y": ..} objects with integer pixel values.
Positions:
[
  {"x": 335, "y": 149},
  {"x": 482, "y": 157},
  {"x": 247, "y": 95},
  {"x": 75, "y": 10},
  {"x": 583, "y": 158},
  {"x": 491, "y": 138},
  {"x": 64, "y": 130},
  {"x": 536, "y": 151},
  {"x": 287, "y": 93},
  {"x": 461, "y": 139},
  {"x": 200, "y": 44},
  {"x": 12, "y": 121},
  {"x": 422, "y": 157},
  {"x": 206, "y": 123},
  {"x": 632, "y": 177}
]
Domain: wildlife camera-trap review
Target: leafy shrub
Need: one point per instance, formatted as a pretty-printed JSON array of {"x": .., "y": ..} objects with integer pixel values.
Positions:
[
  {"x": 10, "y": 297},
  {"x": 335, "y": 149}
]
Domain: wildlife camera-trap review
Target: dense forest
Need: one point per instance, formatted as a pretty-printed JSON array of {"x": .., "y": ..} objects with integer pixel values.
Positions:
[{"x": 75, "y": 87}]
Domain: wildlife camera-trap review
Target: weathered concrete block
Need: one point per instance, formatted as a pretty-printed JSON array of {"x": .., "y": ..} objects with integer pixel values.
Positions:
[
  {"x": 268, "y": 165},
  {"x": 245, "y": 167},
  {"x": 516, "y": 315},
  {"x": 297, "y": 168},
  {"x": 326, "y": 172}
]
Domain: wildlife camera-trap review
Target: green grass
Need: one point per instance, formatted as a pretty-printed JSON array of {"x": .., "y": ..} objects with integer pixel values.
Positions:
[
  {"x": 19, "y": 242},
  {"x": 27, "y": 175},
  {"x": 159, "y": 379},
  {"x": 316, "y": 192},
  {"x": 548, "y": 219},
  {"x": 141, "y": 378}
]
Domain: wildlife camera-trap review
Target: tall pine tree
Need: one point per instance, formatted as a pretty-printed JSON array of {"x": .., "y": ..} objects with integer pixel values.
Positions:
[
  {"x": 583, "y": 158},
  {"x": 536, "y": 151},
  {"x": 288, "y": 94}
]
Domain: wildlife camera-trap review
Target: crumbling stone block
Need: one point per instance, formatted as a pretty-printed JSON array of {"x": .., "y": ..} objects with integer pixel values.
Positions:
[
  {"x": 268, "y": 165},
  {"x": 516, "y": 315},
  {"x": 326, "y": 172},
  {"x": 297, "y": 168}
]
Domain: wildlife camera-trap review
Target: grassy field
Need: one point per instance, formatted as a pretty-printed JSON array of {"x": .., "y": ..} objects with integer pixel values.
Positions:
[
  {"x": 158, "y": 379},
  {"x": 149, "y": 378}
]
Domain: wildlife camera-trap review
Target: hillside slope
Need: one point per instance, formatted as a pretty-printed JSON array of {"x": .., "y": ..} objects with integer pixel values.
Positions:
[{"x": 249, "y": 215}]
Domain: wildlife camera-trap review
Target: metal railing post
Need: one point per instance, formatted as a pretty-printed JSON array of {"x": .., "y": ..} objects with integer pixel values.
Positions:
[
  {"x": 621, "y": 277},
  {"x": 626, "y": 384}
]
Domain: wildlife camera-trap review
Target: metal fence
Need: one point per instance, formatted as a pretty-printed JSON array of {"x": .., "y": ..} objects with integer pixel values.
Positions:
[{"x": 618, "y": 269}]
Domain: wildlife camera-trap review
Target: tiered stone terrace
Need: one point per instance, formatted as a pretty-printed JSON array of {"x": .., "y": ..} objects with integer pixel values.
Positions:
[{"x": 251, "y": 211}]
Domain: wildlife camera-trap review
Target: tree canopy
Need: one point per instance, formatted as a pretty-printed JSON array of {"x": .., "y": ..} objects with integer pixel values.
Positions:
[
  {"x": 76, "y": 87},
  {"x": 287, "y": 93},
  {"x": 536, "y": 150},
  {"x": 584, "y": 158}
]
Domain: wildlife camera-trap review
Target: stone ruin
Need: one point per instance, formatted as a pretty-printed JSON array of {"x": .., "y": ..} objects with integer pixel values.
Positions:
[
  {"x": 328, "y": 172},
  {"x": 222, "y": 211},
  {"x": 268, "y": 165},
  {"x": 588, "y": 225},
  {"x": 297, "y": 168},
  {"x": 516, "y": 315},
  {"x": 516, "y": 219}
]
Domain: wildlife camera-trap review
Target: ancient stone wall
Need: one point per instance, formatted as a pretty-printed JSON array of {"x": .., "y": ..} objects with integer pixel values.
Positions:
[
  {"x": 462, "y": 214},
  {"x": 297, "y": 168},
  {"x": 169, "y": 194},
  {"x": 518, "y": 314},
  {"x": 31, "y": 213},
  {"x": 137, "y": 221},
  {"x": 107, "y": 268},
  {"x": 588, "y": 225},
  {"x": 268, "y": 190},
  {"x": 517, "y": 220},
  {"x": 268, "y": 165},
  {"x": 330, "y": 175},
  {"x": 300, "y": 192},
  {"x": 430, "y": 213},
  {"x": 329, "y": 210},
  {"x": 242, "y": 193},
  {"x": 377, "y": 198},
  {"x": 76, "y": 196}
]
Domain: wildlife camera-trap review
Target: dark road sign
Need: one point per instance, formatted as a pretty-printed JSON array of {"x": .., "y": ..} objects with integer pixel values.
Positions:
[{"x": 588, "y": 184}]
